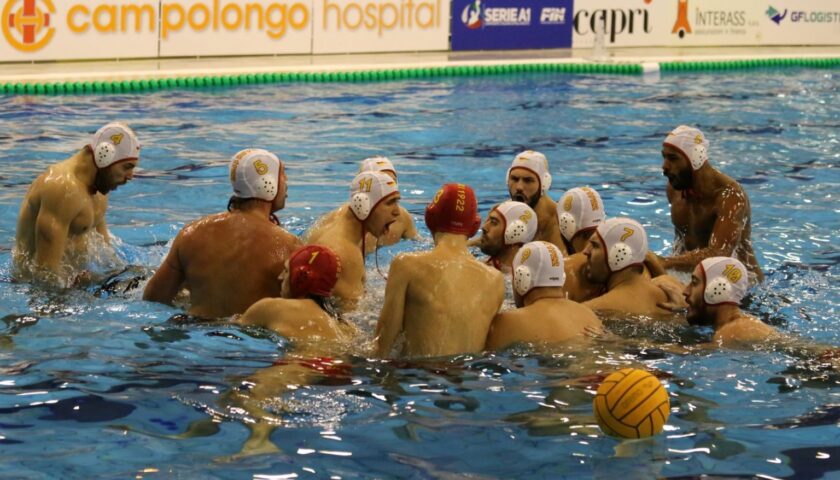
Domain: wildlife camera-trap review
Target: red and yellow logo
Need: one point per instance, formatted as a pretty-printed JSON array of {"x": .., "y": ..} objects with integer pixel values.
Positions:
[{"x": 27, "y": 26}]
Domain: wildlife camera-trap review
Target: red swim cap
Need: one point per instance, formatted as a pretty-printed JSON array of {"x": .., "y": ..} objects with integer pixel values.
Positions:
[
  {"x": 313, "y": 270},
  {"x": 454, "y": 210}
]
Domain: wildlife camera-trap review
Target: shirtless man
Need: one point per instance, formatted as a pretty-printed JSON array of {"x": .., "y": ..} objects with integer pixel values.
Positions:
[
  {"x": 304, "y": 317},
  {"x": 374, "y": 206},
  {"x": 528, "y": 181},
  {"x": 305, "y": 310},
  {"x": 710, "y": 211},
  {"x": 615, "y": 257},
  {"x": 509, "y": 225},
  {"x": 402, "y": 229},
  {"x": 718, "y": 284},
  {"x": 579, "y": 213},
  {"x": 544, "y": 314},
  {"x": 66, "y": 205},
  {"x": 443, "y": 300},
  {"x": 230, "y": 260}
]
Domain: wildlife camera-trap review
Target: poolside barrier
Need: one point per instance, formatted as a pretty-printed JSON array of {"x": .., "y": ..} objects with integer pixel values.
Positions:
[{"x": 360, "y": 76}]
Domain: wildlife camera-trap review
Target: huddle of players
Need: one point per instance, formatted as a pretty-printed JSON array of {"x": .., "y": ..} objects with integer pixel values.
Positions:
[{"x": 566, "y": 260}]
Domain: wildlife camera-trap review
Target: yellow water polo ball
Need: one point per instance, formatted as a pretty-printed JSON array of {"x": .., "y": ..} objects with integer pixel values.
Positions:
[{"x": 631, "y": 403}]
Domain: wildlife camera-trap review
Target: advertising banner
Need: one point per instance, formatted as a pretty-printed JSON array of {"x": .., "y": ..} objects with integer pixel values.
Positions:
[
  {"x": 235, "y": 27},
  {"x": 354, "y": 26},
  {"x": 77, "y": 29},
  {"x": 801, "y": 22},
  {"x": 511, "y": 24},
  {"x": 623, "y": 23},
  {"x": 677, "y": 23}
]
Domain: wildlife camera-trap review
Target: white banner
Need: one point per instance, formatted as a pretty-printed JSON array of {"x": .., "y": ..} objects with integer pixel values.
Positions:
[
  {"x": 801, "y": 22},
  {"x": 77, "y": 29},
  {"x": 677, "y": 23},
  {"x": 235, "y": 27},
  {"x": 353, "y": 26}
]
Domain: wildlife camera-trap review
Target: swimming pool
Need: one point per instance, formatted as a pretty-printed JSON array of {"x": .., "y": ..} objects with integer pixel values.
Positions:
[{"x": 92, "y": 381}]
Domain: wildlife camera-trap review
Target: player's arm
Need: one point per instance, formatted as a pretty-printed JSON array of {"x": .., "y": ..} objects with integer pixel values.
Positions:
[
  {"x": 167, "y": 281},
  {"x": 732, "y": 219},
  {"x": 393, "y": 310},
  {"x": 52, "y": 226}
]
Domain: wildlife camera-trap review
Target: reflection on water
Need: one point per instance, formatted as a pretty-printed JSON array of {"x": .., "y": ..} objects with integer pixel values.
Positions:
[{"x": 96, "y": 383}]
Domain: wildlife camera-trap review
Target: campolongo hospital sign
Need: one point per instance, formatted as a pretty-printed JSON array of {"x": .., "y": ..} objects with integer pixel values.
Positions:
[
  {"x": 90, "y": 29},
  {"x": 102, "y": 29}
]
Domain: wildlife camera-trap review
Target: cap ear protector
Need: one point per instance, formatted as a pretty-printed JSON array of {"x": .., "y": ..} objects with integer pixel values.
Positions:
[
  {"x": 546, "y": 182},
  {"x": 103, "y": 154},
  {"x": 523, "y": 280},
  {"x": 620, "y": 256},
  {"x": 568, "y": 225},
  {"x": 367, "y": 190},
  {"x": 515, "y": 232},
  {"x": 112, "y": 143},
  {"x": 255, "y": 173},
  {"x": 691, "y": 143},
  {"x": 360, "y": 205},
  {"x": 699, "y": 157},
  {"x": 719, "y": 290}
]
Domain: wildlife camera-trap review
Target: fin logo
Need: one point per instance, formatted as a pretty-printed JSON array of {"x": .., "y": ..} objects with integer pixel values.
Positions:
[
  {"x": 774, "y": 15},
  {"x": 471, "y": 16},
  {"x": 26, "y": 26}
]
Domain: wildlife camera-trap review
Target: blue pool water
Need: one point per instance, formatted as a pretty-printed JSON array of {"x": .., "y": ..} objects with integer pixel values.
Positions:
[{"x": 92, "y": 382}]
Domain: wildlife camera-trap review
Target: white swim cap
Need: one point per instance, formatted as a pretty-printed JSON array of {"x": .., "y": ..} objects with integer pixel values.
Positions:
[
  {"x": 536, "y": 163},
  {"x": 725, "y": 279},
  {"x": 537, "y": 264},
  {"x": 579, "y": 209},
  {"x": 368, "y": 190},
  {"x": 114, "y": 143},
  {"x": 255, "y": 173},
  {"x": 691, "y": 142},
  {"x": 520, "y": 222},
  {"x": 625, "y": 242},
  {"x": 377, "y": 163}
]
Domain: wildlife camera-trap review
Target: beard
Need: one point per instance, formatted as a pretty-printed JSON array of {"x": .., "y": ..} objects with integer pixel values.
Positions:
[
  {"x": 487, "y": 247},
  {"x": 594, "y": 276},
  {"x": 531, "y": 201},
  {"x": 695, "y": 318},
  {"x": 681, "y": 180},
  {"x": 102, "y": 183}
]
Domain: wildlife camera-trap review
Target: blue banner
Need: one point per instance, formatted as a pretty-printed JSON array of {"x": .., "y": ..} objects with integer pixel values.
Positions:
[{"x": 511, "y": 24}]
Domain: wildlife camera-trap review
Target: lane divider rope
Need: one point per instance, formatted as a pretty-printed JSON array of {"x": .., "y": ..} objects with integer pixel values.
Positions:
[{"x": 380, "y": 75}]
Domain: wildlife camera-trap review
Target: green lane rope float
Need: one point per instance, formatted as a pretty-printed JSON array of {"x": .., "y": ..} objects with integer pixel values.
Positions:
[{"x": 362, "y": 76}]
